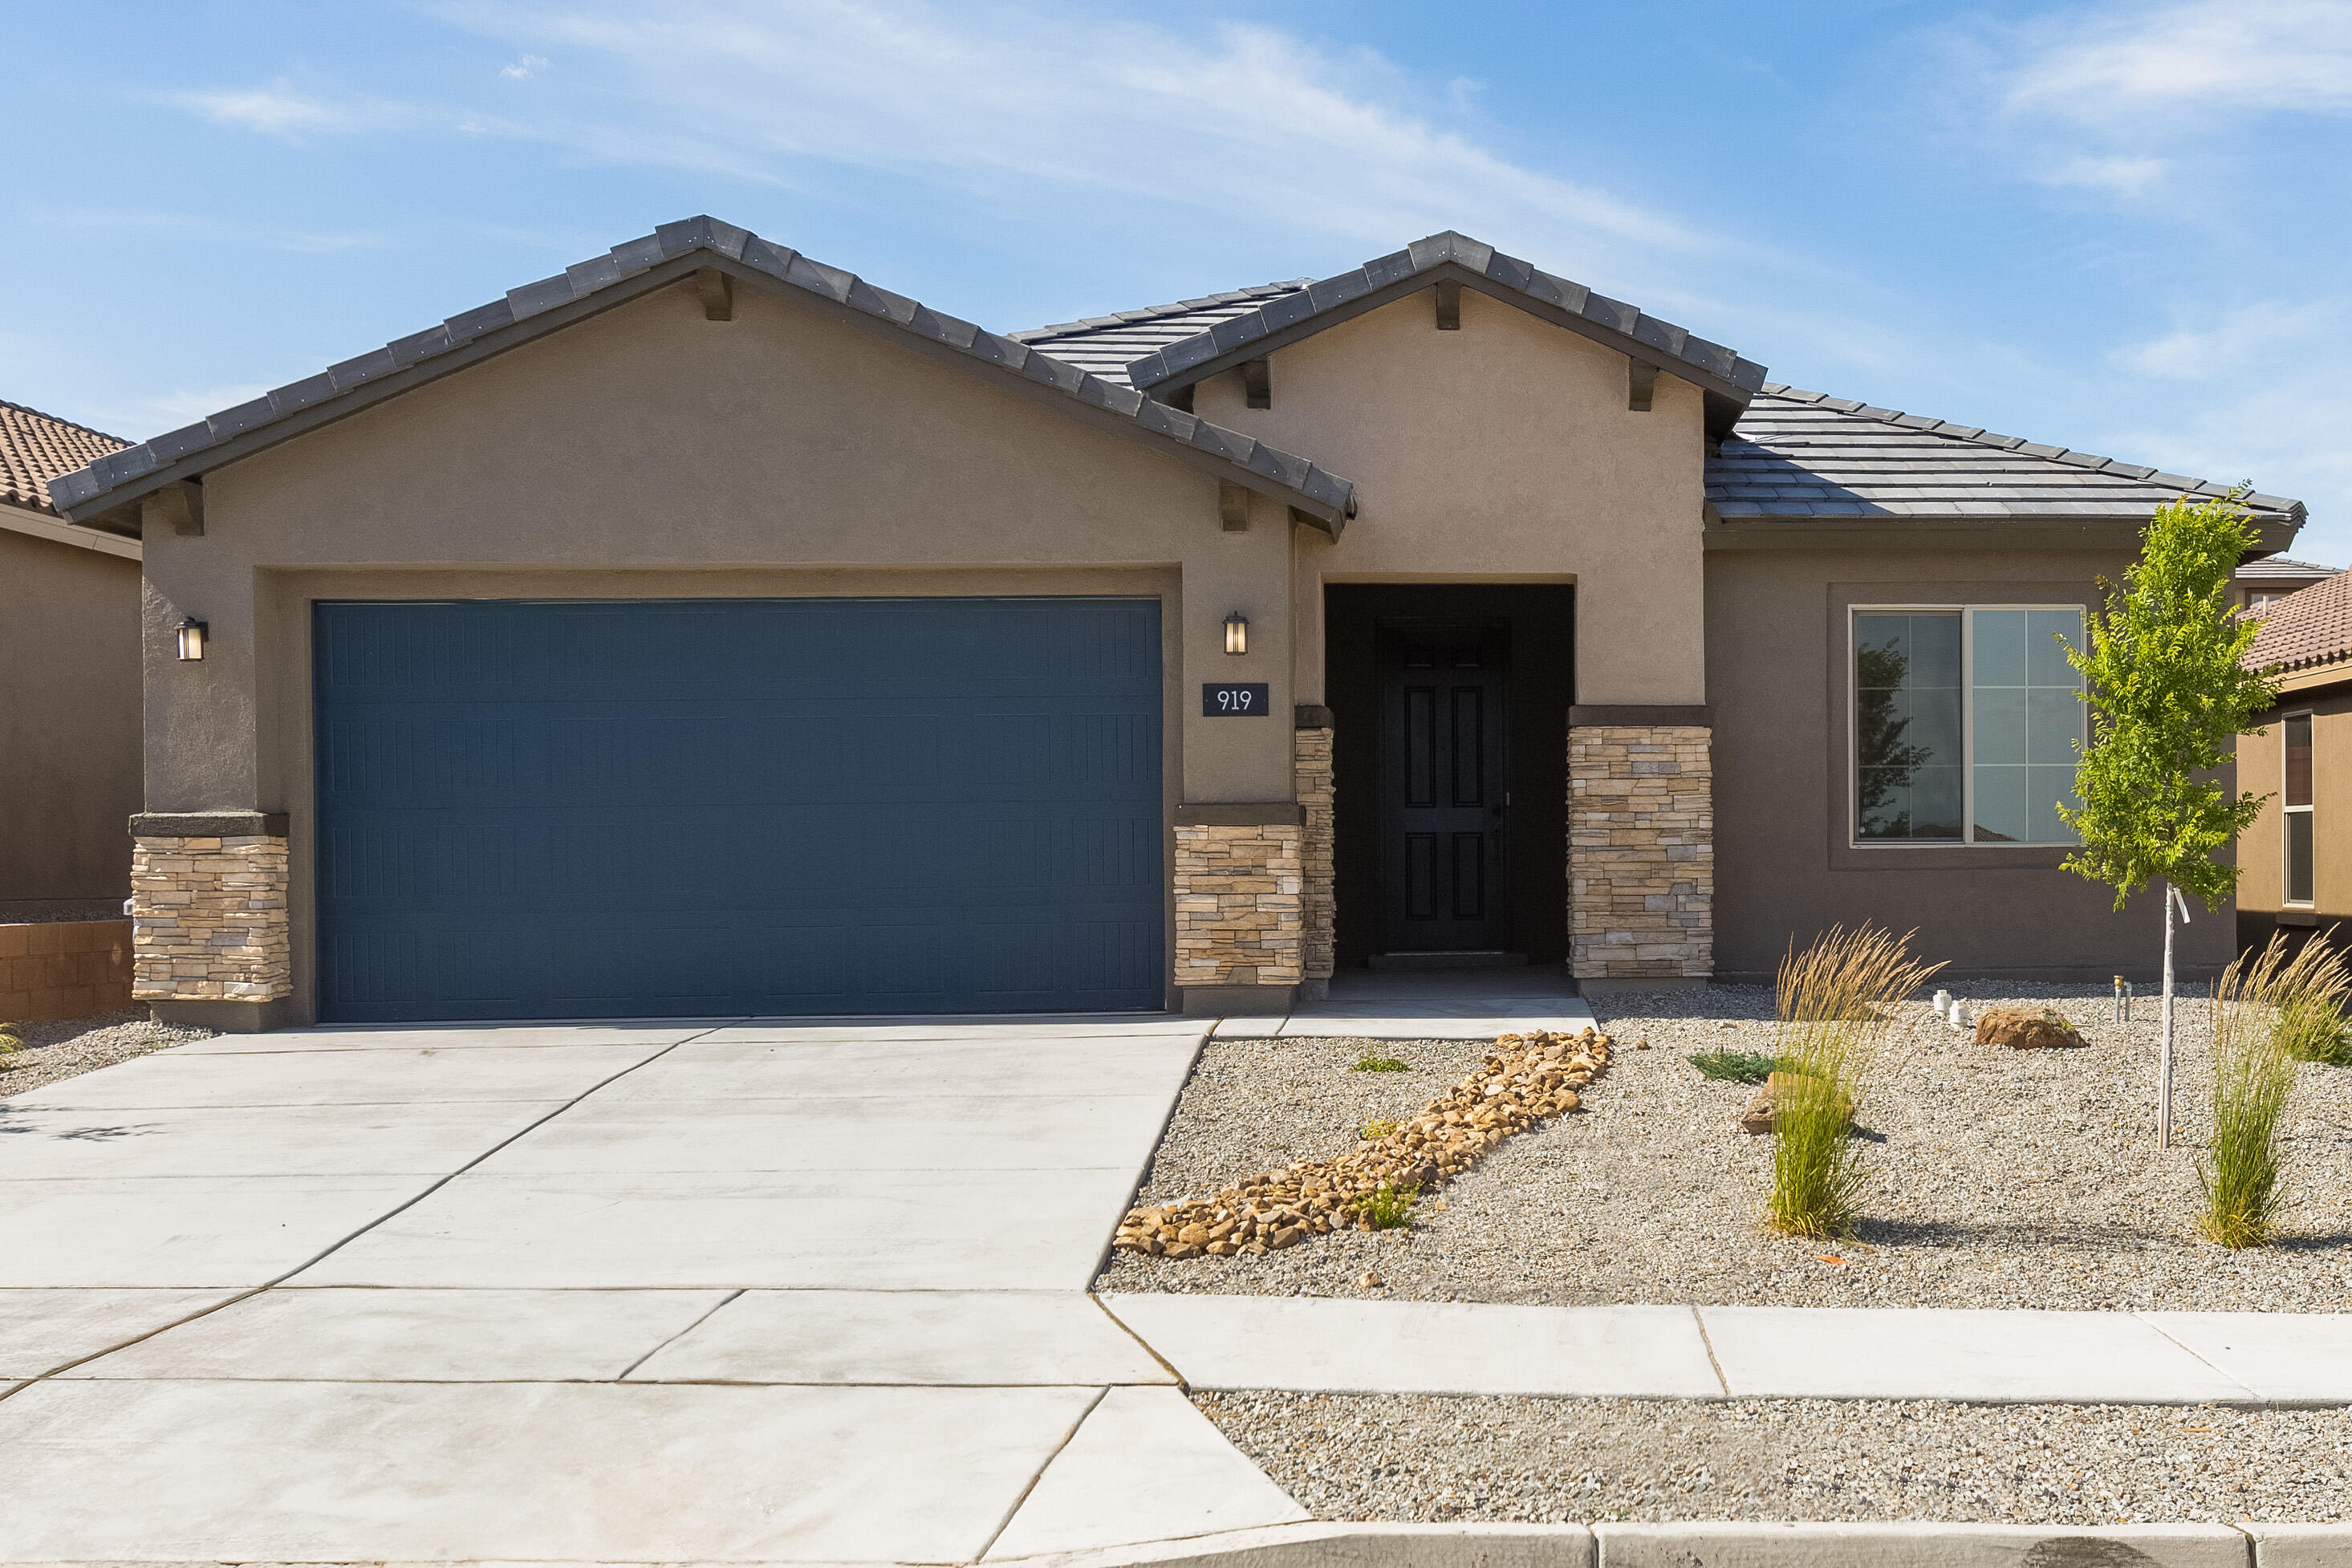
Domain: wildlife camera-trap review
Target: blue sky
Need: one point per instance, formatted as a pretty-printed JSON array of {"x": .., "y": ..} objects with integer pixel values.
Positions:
[{"x": 2120, "y": 228}]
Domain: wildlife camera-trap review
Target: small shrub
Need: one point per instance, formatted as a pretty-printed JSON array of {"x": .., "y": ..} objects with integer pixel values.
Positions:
[
  {"x": 1371, "y": 1063},
  {"x": 1835, "y": 1002},
  {"x": 2272, "y": 1012},
  {"x": 10, "y": 1042},
  {"x": 1375, "y": 1129},
  {"x": 1388, "y": 1205},
  {"x": 2317, "y": 1032},
  {"x": 1734, "y": 1067}
]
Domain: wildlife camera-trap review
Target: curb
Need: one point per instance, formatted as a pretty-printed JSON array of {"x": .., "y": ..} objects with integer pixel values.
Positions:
[{"x": 1712, "y": 1545}]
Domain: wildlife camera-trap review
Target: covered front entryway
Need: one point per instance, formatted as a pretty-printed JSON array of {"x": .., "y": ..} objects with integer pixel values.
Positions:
[
  {"x": 1449, "y": 723},
  {"x": 697, "y": 807}
]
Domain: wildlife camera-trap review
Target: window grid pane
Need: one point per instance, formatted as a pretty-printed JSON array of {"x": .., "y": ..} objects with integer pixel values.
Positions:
[
  {"x": 2026, "y": 717},
  {"x": 1907, "y": 724}
]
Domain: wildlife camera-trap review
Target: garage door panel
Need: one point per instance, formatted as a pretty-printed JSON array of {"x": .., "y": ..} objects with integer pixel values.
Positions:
[{"x": 738, "y": 806}]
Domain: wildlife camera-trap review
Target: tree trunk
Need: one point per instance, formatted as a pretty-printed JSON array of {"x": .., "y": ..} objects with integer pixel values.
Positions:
[{"x": 2164, "y": 1068}]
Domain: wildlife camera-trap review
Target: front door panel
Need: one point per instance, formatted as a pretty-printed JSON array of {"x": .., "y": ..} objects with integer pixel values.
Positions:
[{"x": 1444, "y": 772}]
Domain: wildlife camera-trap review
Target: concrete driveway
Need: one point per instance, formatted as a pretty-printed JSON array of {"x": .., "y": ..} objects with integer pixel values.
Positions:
[{"x": 616, "y": 1292}]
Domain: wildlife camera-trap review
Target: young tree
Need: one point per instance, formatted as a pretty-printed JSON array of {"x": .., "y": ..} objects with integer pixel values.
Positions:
[{"x": 2169, "y": 698}]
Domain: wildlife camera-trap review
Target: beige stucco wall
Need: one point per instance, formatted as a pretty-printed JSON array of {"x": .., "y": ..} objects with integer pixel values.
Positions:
[
  {"x": 69, "y": 766},
  {"x": 1785, "y": 864},
  {"x": 1504, "y": 452},
  {"x": 2327, "y": 699}
]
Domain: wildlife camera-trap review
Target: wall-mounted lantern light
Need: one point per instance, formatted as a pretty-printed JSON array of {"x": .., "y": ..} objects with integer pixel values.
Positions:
[
  {"x": 192, "y": 638},
  {"x": 1237, "y": 633}
]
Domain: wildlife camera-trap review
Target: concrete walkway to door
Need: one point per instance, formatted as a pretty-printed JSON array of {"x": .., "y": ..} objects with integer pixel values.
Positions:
[{"x": 625, "y": 1291}]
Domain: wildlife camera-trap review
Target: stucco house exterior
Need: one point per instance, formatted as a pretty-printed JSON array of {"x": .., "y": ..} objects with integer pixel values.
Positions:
[
  {"x": 709, "y": 631},
  {"x": 2297, "y": 858},
  {"x": 69, "y": 749}
]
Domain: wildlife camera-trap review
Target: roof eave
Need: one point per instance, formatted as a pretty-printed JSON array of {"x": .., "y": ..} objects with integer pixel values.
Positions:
[
  {"x": 1749, "y": 530},
  {"x": 671, "y": 255}
]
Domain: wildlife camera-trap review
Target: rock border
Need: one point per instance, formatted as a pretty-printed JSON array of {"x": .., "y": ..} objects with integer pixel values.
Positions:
[{"x": 1525, "y": 1079}]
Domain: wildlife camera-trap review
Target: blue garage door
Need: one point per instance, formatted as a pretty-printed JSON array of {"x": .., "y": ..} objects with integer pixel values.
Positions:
[{"x": 702, "y": 808}]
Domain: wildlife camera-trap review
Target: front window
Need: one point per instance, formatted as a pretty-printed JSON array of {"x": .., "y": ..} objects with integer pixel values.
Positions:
[
  {"x": 2297, "y": 808},
  {"x": 1966, "y": 724}
]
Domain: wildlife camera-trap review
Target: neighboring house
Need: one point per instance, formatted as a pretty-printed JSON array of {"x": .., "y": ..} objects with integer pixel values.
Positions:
[
  {"x": 69, "y": 759},
  {"x": 706, "y": 631},
  {"x": 2260, "y": 583},
  {"x": 2297, "y": 855}
]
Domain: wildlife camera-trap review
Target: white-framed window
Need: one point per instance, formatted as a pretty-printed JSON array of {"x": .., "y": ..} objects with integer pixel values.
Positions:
[
  {"x": 2295, "y": 800},
  {"x": 1966, "y": 723}
]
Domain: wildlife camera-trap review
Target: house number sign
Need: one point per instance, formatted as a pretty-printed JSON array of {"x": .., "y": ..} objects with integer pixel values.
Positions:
[{"x": 1233, "y": 699}]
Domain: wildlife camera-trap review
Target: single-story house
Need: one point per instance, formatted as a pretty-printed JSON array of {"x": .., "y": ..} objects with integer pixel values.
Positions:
[
  {"x": 705, "y": 630},
  {"x": 2297, "y": 858},
  {"x": 69, "y": 678}
]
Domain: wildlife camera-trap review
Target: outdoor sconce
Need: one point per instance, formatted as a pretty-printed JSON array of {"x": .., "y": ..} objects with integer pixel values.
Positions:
[
  {"x": 192, "y": 638},
  {"x": 1237, "y": 633}
]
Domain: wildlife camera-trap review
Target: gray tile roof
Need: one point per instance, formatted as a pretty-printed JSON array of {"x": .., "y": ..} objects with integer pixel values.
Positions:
[
  {"x": 1106, "y": 345},
  {"x": 671, "y": 251},
  {"x": 2278, "y": 568},
  {"x": 1806, "y": 455}
]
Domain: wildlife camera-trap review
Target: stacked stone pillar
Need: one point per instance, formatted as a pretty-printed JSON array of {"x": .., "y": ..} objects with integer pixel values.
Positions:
[
  {"x": 1318, "y": 895},
  {"x": 208, "y": 913},
  {"x": 1237, "y": 894},
  {"x": 1640, "y": 847}
]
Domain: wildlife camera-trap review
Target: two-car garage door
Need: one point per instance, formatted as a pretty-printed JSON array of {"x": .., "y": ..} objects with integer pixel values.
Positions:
[{"x": 767, "y": 806}]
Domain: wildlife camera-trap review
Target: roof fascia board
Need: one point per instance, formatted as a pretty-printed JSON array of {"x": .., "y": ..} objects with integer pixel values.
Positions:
[
  {"x": 2303, "y": 679},
  {"x": 887, "y": 315},
  {"x": 1731, "y": 396},
  {"x": 41, "y": 525},
  {"x": 1904, "y": 533}
]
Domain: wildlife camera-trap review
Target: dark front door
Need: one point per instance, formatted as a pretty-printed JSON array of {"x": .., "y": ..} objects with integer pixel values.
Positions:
[{"x": 1442, "y": 780}]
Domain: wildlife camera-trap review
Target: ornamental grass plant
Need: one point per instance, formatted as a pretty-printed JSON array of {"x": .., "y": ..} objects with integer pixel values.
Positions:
[
  {"x": 1835, "y": 1002},
  {"x": 2272, "y": 1012}
]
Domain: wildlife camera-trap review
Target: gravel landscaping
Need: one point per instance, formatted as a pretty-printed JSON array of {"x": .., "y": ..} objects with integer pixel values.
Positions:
[
  {"x": 67, "y": 1047},
  {"x": 1514, "y": 1460},
  {"x": 2002, "y": 1178}
]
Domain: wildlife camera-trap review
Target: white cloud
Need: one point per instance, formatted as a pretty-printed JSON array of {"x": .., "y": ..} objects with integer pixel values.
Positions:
[
  {"x": 2240, "y": 337},
  {"x": 1252, "y": 123},
  {"x": 276, "y": 110},
  {"x": 524, "y": 69},
  {"x": 2143, "y": 69},
  {"x": 2126, "y": 176}
]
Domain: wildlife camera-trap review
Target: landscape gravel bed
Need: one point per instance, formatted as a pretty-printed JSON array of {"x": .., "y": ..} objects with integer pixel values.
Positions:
[
  {"x": 1516, "y": 1461},
  {"x": 67, "y": 1047},
  {"x": 2001, "y": 1178}
]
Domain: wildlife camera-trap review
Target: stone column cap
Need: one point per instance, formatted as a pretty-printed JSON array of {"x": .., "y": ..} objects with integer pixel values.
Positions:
[
  {"x": 208, "y": 825},
  {"x": 1668, "y": 715},
  {"x": 1241, "y": 814}
]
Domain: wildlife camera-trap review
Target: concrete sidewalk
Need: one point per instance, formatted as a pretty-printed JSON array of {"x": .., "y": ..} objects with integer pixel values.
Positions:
[{"x": 1320, "y": 1345}]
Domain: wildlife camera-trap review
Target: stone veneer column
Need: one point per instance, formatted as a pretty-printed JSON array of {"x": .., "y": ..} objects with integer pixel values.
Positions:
[
  {"x": 1320, "y": 908},
  {"x": 208, "y": 911},
  {"x": 1237, "y": 898},
  {"x": 1641, "y": 848}
]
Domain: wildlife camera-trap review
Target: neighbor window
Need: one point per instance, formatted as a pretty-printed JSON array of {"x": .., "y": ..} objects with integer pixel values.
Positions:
[
  {"x": 1965, "y": 724},
  {"x": 2298, "y": 807}
]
